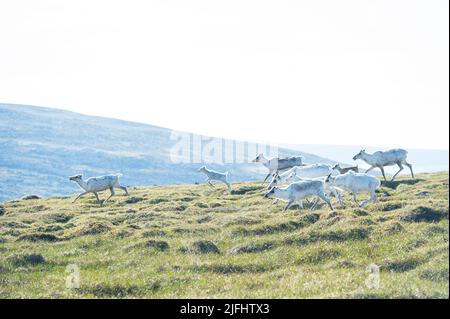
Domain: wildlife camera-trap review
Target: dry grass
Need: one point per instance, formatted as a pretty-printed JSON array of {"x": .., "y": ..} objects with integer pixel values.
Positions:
[{"x": 195, "y": 241}]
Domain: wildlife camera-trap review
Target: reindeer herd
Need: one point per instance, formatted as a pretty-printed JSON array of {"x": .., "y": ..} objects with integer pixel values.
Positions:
[
  {"x": 292, "y": 180},
  {"x": 322, "y": 180}
]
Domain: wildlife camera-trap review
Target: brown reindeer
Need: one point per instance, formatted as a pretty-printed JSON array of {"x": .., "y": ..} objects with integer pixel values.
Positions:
[{"x": 343, "y": 170}]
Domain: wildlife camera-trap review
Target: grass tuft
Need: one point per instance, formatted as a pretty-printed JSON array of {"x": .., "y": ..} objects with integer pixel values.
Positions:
[
  {"x": 30, "y": 197},
  {"x": 245, "y": 189},
  {"x": 110, "y": 291},
  {"x": 90, "y": 228},
  {"x": 38, "y": 237},
  {"x": 26, "y": 259},
  {"x": 252, "y": 248},
  {"x": 401, "y": 265},
  {"x": 158, "y": 245},
  {"x": 387, "y": 207},
  {"x": 424, "y": 214},
  {"x": 437, "y": 275},
  {"x": 202, "y": 247},
  {"x": 133, "y": 200},
  {"x": 320, "y": 256}
]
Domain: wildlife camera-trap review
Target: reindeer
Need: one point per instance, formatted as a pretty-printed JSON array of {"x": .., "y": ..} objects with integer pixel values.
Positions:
[
  {"x": 387, "y": 158},
  {"x": 296, "y": 192},
  {"x": 356, "y": 183},
  {"x": 278, "y": 164},
  {"x": 343, "y": 170},
  {"x": 215, "y": 176},
  {"x": 98, "y": 184}
]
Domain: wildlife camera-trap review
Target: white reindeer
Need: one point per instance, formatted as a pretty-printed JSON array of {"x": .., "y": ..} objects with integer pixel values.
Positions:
[
  {"x": 215, "y": 176},
  {"x": 387, "y": 158},
  {"x": 277, "y": 164},
  {"x": 306, "y": 171},
  {"x": 356, "y": 183},
  {"x": 98, "y": 184},
  {"x": 329, "y": 190},
  {"x": 295, "y": 193}
]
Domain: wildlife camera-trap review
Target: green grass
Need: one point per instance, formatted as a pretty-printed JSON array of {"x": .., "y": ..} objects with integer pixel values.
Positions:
[{"x": 193, "y": 241}]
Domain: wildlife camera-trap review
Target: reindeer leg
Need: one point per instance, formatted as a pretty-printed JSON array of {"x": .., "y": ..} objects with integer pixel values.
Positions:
[
  {"x": 229, "y": 187},
  {"x": 265, "y": 179},
  {"x": 326, "y": 200},
  {"x": 289, "y": 204},
  {"x": 355, "y": 199},
  {"x": 373, "y": 196},
  {"x": 401, "y": 169},
  {"x": 370, "y": 168},
  {"x": 112, "y": 194},
  {"x": 338, "y": 196},
  {"x": 410, "y": 168},
  {"x": 382, "y": 172},
  {"x": 124, "y": 189},
  {"x": 78, "y": 197},
  {"x": 314, "y": 205}
]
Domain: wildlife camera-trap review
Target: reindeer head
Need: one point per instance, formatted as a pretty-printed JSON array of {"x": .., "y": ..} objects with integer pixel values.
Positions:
[
  {"x": 359, "y": 155},
  {"x": 76, "y": 178},
  {"x": 202, "y": 169},
  {"x": 275, "y": 180},
  {"x": 258, "y": 158},
  {"x": 292, "y": 177},
  {"x": 329, "y": 179},
  {"x": 271, "y": 193}
]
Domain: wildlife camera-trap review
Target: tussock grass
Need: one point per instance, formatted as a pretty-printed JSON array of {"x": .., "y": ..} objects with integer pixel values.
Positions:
[
  {"x": 437, "y": 275},
  {"x": 320, "y": 256},
  {"x": 424, "y": 214},
  {"x": 25, "y": 259},
  {"x": 246, "y": 189},
  {"x": 89, "y": 227},
  {"x": 201, "y": 247},
  {"x": 38, "y": 237},
  {"x": 110, "y": 291},
  {"x": 192, "y": 241},
  {"x": 401, "y": 265},
  {"x": 252, "y": 248},
  {"x": 160, "y": 245},
  {"x": 232, "y": 268},
  {"x": 133, "y": 200}
]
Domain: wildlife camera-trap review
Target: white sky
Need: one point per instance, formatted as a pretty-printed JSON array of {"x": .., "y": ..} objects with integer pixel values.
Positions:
[{"x": 333, "y": 72}]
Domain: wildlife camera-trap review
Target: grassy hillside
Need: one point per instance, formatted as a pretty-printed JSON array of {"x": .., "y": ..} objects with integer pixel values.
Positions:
[
  {"x": 41, "y": 147},
  {"x": 197, "y": 241}
]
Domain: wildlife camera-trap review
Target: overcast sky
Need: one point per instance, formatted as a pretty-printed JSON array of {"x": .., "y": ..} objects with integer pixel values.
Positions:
[{"x": 299, "y": 72}]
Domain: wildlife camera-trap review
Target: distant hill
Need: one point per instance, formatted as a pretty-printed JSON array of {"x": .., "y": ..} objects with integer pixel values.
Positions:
[{"x": 41, "y": 147}]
